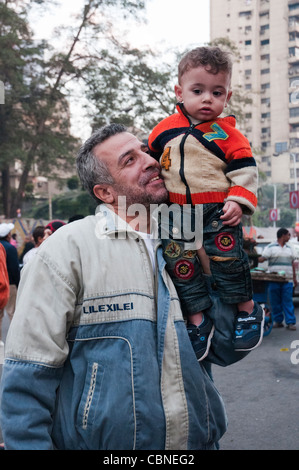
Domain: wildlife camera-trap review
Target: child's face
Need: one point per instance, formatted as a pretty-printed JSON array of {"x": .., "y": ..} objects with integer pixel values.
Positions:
[{"x": 204, "y": 94}]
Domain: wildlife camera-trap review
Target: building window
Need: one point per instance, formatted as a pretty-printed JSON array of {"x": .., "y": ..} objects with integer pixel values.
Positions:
[
  {"x": 281, "y": 147},
  {"x": 293, "y": 35},
  {"x": 294, "y": 82},
  {"x": 293, "y": 6},
  {"x": 294, "y": 112},
  {"x": 248, "y": 42},
  {"x": 265, "y": 57},
  {"x": 264, "y": 71},
  {"x": 245, "y": 14},
  {"x": 265, "y": 14},
  {"x": 266, "y": 130},
  {"x": 294, "y": 143},
  {"x": 264, "y": 42},
  {"x": 293, "y": 21},
  {"x": 292, "y": 172},
  {"x": 265, "y": 86},
  {"x": 293, "y": 52},
  {"x": 265, "y": 145},
  {"x": 265, "y": 101},
  {"x": 264, "y": 28}
]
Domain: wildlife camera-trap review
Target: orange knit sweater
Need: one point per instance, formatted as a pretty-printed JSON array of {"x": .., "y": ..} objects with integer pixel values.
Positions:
[{"x": 208, "y": 162}]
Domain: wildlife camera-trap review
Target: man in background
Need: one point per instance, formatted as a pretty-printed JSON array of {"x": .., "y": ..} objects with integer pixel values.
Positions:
[{"x": 280, "y": 256}]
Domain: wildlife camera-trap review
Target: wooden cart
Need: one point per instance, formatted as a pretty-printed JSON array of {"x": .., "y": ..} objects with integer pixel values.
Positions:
[{"x": 261, "y": 281}]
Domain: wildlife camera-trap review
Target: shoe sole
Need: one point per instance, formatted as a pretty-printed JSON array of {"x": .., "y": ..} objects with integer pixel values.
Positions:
[
  {"x": 261, "y": 336},
  {"x": 208, "y": 344}
]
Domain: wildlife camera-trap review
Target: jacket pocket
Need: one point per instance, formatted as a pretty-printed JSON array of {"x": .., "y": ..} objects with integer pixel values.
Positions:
[
  {"x": 91, "y": 394},
  {"x": 106, "y": 417}
]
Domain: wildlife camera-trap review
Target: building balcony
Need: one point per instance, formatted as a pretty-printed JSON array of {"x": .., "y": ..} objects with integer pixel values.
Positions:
[
  {"x": 294, "y": 26},
  {"x": 293, "y": 58},
  {"x": 294, "y": 134}
]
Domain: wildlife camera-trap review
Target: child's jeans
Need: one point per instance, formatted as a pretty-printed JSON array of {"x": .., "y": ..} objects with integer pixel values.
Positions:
[{"x": 228, "y": 261}]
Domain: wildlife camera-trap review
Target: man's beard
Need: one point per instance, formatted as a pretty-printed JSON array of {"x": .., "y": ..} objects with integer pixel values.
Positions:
[{"x": 134, "y": 196}]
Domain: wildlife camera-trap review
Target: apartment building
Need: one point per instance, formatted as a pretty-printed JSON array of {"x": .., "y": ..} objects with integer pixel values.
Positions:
[{"x": 266, "y": 33}]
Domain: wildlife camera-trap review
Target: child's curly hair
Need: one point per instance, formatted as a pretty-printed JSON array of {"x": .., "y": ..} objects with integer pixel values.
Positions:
[{"x": 213, "y": 59}]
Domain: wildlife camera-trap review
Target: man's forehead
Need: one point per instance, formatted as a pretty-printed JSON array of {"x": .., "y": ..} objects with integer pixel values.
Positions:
[{"x": 116, "y": 145}]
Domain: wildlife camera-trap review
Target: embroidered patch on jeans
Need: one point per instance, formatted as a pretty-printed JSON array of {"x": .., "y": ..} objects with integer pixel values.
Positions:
[
  {"x": 172, "y": 250},
  {"x": 225, "y": 241},
  {"x": 189, "y": 254},
  {"x": 184, "y": 269}
]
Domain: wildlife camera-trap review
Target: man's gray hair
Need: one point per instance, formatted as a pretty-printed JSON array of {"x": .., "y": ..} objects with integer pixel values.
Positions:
[{"x": 90, "y": 169}]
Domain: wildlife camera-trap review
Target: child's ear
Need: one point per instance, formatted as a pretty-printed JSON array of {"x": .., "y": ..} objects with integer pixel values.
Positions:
[
  {"x": 178, "y": 93},
  {"x": 229, "y": 95}
]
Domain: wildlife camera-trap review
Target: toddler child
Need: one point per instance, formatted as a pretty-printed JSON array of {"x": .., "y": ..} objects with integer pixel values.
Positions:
[{"x": 206, "y": 161}]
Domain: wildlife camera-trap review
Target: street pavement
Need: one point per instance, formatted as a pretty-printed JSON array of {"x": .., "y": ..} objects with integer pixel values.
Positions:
[{"x": 260, "y": 393}]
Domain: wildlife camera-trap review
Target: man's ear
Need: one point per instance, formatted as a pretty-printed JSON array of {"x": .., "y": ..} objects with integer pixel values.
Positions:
[
  {"x": 178, "y": 93},
  {"x": 104, "y": 192}
]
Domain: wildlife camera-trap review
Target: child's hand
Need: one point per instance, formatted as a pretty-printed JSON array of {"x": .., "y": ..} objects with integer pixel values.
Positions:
[{"x": 232, "y": 213}]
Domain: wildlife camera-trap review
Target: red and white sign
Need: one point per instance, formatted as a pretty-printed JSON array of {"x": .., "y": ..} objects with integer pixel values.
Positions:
[
  {"x": 294, "y": 199},
  {"x": 273, "y": 215}
]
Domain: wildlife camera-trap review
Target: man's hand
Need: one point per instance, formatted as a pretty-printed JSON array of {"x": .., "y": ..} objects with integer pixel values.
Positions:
[{"x": 232, "y": 213}]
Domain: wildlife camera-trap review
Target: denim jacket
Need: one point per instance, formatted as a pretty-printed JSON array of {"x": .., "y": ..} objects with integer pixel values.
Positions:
[{"x": 97, "y": 354}]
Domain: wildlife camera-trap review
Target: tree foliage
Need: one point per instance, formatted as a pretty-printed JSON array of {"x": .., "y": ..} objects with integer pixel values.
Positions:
[
  {"x": 113, "y": 80},
  {"x": 34, "y": 121}
]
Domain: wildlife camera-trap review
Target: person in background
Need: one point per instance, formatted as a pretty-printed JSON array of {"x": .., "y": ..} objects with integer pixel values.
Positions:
[
  {"x": 13, "y": 269},
  {"x": 38, "y": 237},
  {"x": 75, "y": 217},
  {"x": 51, "y": 227},
  {"x": 4, "y": 280},
  {"x": 28, "y": 245},
  {"x": 281, "y": 257},
  {"x": 14, "y": 241}
]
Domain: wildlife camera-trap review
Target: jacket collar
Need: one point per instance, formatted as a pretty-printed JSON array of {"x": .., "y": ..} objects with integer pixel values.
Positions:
[{"x": 109, "y": 224}]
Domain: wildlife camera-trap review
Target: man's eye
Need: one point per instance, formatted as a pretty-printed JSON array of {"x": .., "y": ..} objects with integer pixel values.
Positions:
[{"x": 129, "y": 160}]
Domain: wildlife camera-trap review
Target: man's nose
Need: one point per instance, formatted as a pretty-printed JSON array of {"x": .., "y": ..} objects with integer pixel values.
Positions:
[{"x": 149, "y": 162}]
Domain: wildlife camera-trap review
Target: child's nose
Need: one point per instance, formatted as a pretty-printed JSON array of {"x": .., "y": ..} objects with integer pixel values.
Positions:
[{"x": 207, "y": 96}]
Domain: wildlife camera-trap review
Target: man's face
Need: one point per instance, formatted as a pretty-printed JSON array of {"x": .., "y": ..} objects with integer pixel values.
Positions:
[
  {"x": 286, "y": 238},
  {"x": 135, "y": 173}
]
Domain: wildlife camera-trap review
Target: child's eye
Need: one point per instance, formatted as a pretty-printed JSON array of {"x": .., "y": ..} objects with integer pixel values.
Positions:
[
  {"x": 217, "y": 93},
  {"x": 196, "y": 91}
]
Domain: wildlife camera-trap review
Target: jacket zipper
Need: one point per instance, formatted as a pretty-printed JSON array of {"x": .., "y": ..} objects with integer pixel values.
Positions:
[{"x": 182, "y": 164}]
